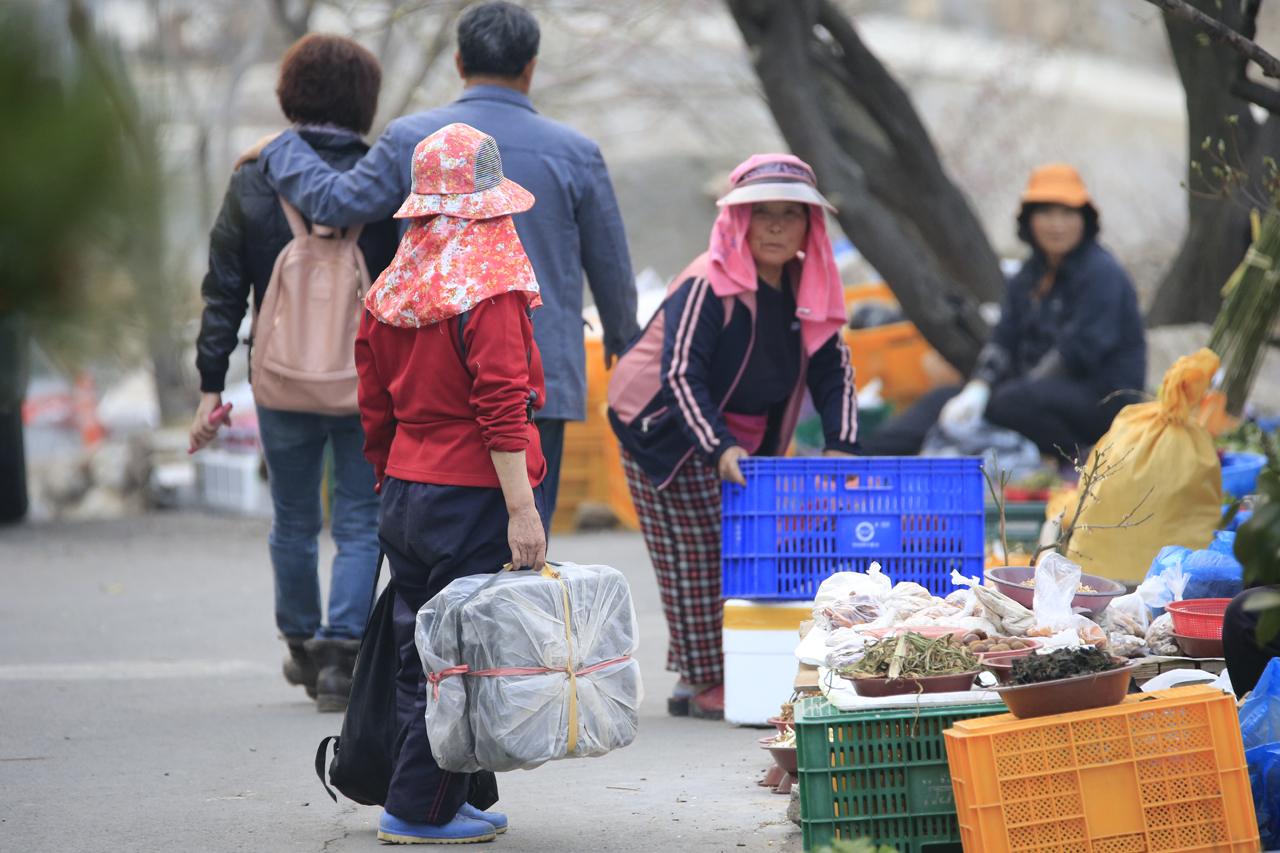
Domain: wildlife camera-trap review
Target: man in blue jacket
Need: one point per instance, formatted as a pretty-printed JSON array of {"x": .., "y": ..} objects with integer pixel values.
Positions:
[{"x": 574, "y": 225}]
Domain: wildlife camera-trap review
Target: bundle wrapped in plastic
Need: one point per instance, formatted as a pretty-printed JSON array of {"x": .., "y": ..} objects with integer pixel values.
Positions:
[
  {"x": 855, "y": 610},
  {"x": 514, "y": 684}
]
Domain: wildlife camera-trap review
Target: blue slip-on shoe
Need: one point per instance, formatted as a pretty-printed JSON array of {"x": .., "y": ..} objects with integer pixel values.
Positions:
[
  {"x": 498, "y": 821},
  {"x": 460, "y": 830}
]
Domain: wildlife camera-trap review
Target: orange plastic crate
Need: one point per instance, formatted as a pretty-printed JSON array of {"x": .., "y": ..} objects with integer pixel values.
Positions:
[{"x": 1159, "y": 773}]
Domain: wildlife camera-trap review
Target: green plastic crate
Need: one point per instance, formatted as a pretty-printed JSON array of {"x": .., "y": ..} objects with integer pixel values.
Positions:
[
  {"x": 1022, "y": 522},
  {"x": 881, "y": 775}
]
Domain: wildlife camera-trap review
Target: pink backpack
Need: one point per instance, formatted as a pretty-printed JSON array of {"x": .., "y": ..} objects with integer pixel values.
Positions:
[{"x": 303, "y": 352}]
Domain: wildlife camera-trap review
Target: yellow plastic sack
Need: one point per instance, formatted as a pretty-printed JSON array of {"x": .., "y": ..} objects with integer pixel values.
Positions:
[{"x": 1169, "y": 455}]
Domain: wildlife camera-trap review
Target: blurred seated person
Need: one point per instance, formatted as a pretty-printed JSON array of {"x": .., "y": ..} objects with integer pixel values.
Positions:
[
  {"x": 1068, "y": 353},
  {"x": 1246, "y": 657}
]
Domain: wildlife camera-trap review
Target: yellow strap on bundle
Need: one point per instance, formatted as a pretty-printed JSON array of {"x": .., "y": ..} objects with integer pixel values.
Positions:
[
  {"x": 552, "y": 574},
  {"x": 548, "y": 572}
]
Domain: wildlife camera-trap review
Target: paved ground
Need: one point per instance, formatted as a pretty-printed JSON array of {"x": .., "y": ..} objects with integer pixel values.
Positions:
[{"x": 141, "y": 709}]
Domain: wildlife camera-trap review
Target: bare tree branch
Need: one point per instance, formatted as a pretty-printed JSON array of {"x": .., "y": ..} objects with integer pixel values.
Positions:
[{"x": 1220, "y": 32}]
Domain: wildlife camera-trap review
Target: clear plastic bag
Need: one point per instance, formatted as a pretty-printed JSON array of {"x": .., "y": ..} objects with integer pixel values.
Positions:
[
  {"x": 849, "y": 612},
  {"x": 847, "y": 584},
  {"x": 1126, "y": 645},
  {"x": 1130, "y": 614},
  {"x": 514, "y": 622},
  {"x": 1160, "y": 637},
  {"x": 1057, "y": 580}
]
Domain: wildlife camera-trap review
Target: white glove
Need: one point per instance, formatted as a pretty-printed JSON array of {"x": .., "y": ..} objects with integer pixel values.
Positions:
[{"x": 967, "y": 406}]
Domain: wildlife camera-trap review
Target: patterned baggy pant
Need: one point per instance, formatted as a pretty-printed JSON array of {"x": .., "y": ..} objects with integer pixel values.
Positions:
[{"x": 681, "y": 526}]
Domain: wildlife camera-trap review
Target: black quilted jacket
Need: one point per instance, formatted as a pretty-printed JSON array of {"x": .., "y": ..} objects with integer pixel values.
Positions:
[{"x": 250, "y": 232}]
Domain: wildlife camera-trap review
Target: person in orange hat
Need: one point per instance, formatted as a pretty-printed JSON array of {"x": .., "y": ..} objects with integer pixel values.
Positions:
[{"x": 1068, "y": 352}]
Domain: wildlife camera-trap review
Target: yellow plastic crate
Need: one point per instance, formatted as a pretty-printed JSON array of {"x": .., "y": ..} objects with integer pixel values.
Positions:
[
  {"x": 1160, "y": 773},
  {"x": 591, "y": 468}
]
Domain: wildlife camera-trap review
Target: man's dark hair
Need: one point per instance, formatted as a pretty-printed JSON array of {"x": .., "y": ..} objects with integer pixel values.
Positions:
[
  {"x": 329, "y": 80},
  {"x": 1087, "y": 210},
  {"x": 497, "y": 39}
]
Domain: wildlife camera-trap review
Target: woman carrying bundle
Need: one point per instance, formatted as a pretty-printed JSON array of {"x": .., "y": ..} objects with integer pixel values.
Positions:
[
  {"x": 720, "y": 374},
  {"x": 449, "y": 380}
]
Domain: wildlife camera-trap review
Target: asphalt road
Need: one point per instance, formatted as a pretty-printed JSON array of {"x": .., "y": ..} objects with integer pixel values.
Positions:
[{"x": 142, "y": 709}]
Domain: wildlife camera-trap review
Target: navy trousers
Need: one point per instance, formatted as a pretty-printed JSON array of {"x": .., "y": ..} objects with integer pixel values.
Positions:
[
  {"x": 551, "y": 437},
  {"x": 432, "y": 536}
]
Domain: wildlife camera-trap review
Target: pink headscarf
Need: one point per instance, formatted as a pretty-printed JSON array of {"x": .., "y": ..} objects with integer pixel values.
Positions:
[{"x": 731, "y": 267}]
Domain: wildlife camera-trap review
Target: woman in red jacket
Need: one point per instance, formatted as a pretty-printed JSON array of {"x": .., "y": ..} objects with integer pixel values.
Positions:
[{"x": 449, "y": 380}]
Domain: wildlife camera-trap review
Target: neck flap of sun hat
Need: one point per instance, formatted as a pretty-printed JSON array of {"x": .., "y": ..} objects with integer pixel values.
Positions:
[
  {"x": 462, "y": 247},
  {"x": 732, "y": 268}
]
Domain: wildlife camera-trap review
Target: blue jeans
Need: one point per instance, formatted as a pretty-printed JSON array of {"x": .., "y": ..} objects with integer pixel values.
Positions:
[{"x": 293, "y": 444}]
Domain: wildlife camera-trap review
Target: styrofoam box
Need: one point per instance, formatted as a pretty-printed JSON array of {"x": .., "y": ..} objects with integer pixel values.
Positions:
[
  {"x": 232, "y": 482},
  {"x": 760, "y": 638}
]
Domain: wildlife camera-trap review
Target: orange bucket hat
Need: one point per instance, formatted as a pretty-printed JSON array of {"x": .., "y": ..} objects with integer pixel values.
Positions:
[
  {"x": 1056, "y": 183},
  {"x": 457, "y": 171}
]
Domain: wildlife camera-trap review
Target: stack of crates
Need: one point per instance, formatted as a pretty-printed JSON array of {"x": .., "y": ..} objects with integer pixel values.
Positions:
[
  {"x": 800, "y": 520},
  {"x": 1160, "y": 773},
  {"x": 880, "y": 775}
]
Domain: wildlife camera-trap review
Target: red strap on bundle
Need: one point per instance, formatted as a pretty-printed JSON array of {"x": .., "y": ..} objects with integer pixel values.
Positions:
[{"x": 436, "y": 677}]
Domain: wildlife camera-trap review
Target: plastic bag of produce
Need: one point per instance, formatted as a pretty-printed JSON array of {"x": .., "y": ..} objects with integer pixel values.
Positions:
[
  {"x": 858, "y": 610},
  {"x": 907, "y": 598},
  {"x": 1007, "y": 616},
  {"x": 1130, "y": 614},
  {"x": 1260, "y": 712},
  {"x": 846, "y": 584},
  {"x": 1179, "y": 573},
  {"x": 1057, "y": 581},
  {"x": 1160, "y": 637},
  {"x": 1168, "y": 469},
  {"x": 528, "y": 667}
]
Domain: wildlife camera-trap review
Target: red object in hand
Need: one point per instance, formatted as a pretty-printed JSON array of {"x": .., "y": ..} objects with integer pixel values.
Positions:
[{"x": 214, "y": 416}]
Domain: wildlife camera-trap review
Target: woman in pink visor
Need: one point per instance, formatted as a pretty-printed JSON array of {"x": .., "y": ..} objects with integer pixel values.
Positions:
[{"x": 719, "y": 374}]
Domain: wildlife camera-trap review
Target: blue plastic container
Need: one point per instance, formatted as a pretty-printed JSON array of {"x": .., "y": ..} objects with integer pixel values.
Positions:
[
  {"x": 1240, "y": 472},
  {"x": 800, "y": 520}
]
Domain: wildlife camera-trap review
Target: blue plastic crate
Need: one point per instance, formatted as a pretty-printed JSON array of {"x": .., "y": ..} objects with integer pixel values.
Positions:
[{"x": 800, "y": 520}]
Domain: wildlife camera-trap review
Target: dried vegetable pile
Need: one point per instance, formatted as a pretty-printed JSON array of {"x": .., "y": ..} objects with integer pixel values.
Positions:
[
  {"x": 913, "y": 656},
  {"x": 1063, "y": 663}
]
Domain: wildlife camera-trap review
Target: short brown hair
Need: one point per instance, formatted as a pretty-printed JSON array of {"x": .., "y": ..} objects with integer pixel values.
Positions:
[{"x": 328, "y": 79}]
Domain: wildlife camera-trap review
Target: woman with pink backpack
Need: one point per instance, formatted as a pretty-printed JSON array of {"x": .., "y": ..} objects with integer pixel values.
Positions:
[
  {"x": 719, "y": 374},
  {"x": 306, "y": 313}
]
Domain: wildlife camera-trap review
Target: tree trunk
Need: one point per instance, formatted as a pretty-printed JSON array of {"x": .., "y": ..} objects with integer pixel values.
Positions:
[
  {"x": 842, "y": 112},
  {"x": 1217, "y": 229}
]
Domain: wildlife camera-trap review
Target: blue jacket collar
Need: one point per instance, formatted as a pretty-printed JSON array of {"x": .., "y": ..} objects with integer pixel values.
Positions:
[{"x": 497, "y": 93}]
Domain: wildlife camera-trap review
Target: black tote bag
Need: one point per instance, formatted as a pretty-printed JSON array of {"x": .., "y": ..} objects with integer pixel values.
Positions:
[{"x": 363, "y": 754}]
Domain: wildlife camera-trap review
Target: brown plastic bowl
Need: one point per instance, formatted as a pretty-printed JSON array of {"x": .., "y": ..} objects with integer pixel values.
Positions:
[
  {"x": 1002, "y": 667},
  {"x": 1081, "y": 693},
  {"x": 783, "y": 725},
  {"x": 910, "y": 686},
  {"x": 1008, "y": 579},
  {"x": 1199, "y": 647},
  {"x": 785, "y": 757}
]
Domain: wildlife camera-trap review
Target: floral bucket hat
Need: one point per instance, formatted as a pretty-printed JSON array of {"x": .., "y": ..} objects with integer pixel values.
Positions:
[
  {"x": 462, "y": 246},
  {"x": 457, "y": 172}
]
